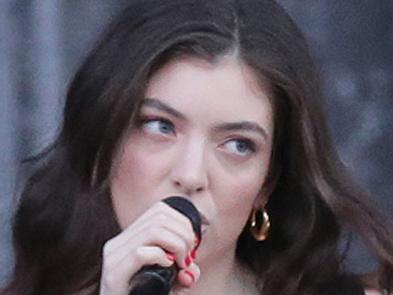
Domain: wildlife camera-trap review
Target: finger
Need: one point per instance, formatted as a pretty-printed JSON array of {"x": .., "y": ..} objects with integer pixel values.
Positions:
[
  {"x": 170, "y": 242},
  {"x": 187, "y": 277},
  {"x": 118, "y": 275},
  {"x": 164, "y": 221},
  {"x": 153, "y": 236},
  {"x": 164, "y": 215},
  {"x": 122, "y": 238},
  {"x": 159, "y": 215},
  {"x": 163, "y": 212}
]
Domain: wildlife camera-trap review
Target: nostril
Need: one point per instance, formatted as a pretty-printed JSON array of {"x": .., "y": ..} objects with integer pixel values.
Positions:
[
  {"x": 189, "y": 183},
  {"x": 188, "y": 189}
]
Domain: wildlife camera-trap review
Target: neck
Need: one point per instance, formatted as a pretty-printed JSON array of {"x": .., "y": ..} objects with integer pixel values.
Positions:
[{"x": 225, "y": 276}]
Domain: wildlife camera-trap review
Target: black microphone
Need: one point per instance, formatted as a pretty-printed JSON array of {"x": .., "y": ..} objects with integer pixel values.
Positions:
[{"x": 158, "y": 280}]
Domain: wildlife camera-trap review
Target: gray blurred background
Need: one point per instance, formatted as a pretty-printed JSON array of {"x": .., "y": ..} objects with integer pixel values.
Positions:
[{"x": 42, "y": 42}]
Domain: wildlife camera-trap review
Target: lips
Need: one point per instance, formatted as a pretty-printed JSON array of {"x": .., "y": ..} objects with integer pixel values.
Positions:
[
  {"x": 204, "y": 222},
  {"x": 203, "y": 228}
]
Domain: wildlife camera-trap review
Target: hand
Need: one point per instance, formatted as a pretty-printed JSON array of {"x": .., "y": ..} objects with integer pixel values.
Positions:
[{"x": 162, "y": 236}]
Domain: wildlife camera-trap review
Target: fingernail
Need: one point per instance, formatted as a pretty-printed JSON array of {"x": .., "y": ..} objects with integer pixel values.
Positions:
[
  {"x": 191, "y": 275},
  {"x": 188, "y": 260},
  {"x": 171, "y": 256},
  {"x": 193, "y": 254}
]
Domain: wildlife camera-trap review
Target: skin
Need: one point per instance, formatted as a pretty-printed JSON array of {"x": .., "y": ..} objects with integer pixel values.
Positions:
[{"x": 181, "y": 146}]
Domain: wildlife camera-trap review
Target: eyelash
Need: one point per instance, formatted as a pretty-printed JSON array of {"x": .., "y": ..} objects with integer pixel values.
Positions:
[
  {"x": 250, "y": 145},
  {"x": 145, "y": 121}
]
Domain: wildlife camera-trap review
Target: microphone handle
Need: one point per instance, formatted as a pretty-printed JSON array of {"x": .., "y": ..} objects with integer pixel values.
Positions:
[{"x": 153, "y": 280}]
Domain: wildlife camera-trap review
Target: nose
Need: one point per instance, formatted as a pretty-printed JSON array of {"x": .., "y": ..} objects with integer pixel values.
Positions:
[{"x": 189, "y": 173}]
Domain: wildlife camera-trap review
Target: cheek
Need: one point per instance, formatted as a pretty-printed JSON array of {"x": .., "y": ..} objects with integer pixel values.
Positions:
[
  {"x": 245, "y": 184},
  {"x": 240, "y": 197},
  {"x": 138, "y": 166},
  {"x": 238, "y": 192},
  {"x": 135, "y": 178},
  {"x": 233, "y": 206},
  {"x": 134, "y": 165}
]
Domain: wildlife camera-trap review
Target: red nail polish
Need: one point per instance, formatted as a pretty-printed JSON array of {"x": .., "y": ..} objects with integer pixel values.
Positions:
[
  {"x": 191, "y": 275},
  {"x": 188, "y": 260},
  {"x": 171, "y": 256},
  {"x": 193, "y": 254}
]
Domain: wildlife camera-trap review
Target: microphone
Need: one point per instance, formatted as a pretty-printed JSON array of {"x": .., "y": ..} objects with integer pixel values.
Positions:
[{"x": 158, "y": 280}]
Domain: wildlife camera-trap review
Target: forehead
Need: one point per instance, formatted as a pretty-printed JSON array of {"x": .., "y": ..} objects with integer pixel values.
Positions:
[{"x": 227, "y": 90}]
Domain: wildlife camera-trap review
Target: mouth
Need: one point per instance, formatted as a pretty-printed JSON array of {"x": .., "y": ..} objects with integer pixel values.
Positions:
[
  {"x": 203, "y": 229},
  {"x": 204, "y": 222}
]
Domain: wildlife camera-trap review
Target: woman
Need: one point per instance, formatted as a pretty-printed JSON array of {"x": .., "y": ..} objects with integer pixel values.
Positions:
[{"x": 218, "y": 102}]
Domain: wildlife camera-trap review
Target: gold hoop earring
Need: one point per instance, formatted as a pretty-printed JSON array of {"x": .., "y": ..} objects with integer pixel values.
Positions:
[{"x": 260, "y": 224}]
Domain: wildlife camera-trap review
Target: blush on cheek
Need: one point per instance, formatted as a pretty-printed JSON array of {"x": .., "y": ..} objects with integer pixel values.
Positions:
[
  {"x": 129, "y": 180},
  {"x": 248, "y": 186},
  {"x": 135, "y": 161},
  {"x": 136, "y": 179}
]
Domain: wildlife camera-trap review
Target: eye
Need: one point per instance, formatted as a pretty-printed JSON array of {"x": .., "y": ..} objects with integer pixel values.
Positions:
[
  {"x": 242, "y": 147},
  {"x": 158, "y": 126}
]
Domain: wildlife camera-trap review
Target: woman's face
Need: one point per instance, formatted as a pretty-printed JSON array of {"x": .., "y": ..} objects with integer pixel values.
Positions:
[{"x": 204, "y": 132}]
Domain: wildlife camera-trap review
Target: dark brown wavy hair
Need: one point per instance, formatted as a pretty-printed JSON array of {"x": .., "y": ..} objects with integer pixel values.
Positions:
[{"x": 65, "y": 213}]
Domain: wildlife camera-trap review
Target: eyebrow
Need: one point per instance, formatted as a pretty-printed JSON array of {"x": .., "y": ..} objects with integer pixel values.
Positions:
[
  {"x": 155, "y": 103},
  {"x": 243, "y": 125},
  {"x": 222, "y": 127}
]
